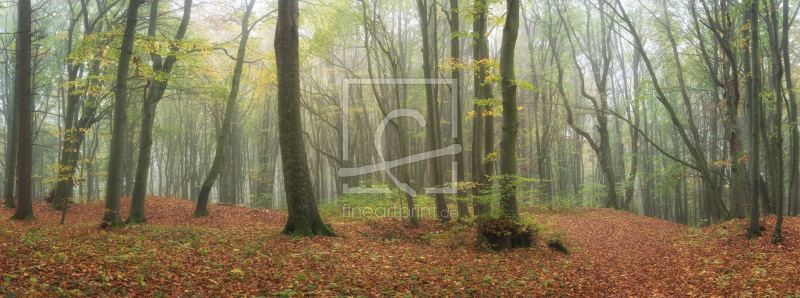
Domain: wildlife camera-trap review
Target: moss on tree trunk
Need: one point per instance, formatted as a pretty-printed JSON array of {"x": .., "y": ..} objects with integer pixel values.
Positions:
[{"x": 304, "y": 219}]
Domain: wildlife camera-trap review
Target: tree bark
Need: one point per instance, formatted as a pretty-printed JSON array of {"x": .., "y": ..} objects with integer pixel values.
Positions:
[
  {"x": 120, "y": 116},
  {"x": 458, "y": 105},
  {"x": 154, "y": 95},
  {"x": 479, "y": 151},
  {"x": 11, "y": 153},
  {"x": 794, "y": 161},
  {"x": 24, "y": 103},
  {"x": 776, "y": 138},
  {"x": 304, "y": 219},
  {"x": 753, "y": 64},
  {"x": 508, "y": 143},
  {"x": 432, "y": 129}
]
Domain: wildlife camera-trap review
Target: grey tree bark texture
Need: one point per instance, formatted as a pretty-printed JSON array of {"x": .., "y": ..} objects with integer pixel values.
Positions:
[
  {"x": 157, "y": 88},
  {"x": 24, "y": 103},
  {"x": 304, "y": 219},
  {"x": 120, "y": 118}
]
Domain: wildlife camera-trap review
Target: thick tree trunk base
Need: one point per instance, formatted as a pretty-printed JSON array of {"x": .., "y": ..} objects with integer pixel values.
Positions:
[
  {"x": 463, "y": 209},
  {"x": 201, "y": 209},
  {"x": 777, "y": 237},
  {"x": 136, "y": 218},
  {"x": 318, "y": 228},
  {"x": 200, "y": 212},
  {"x": 24, "y": 216},
  {"x": 754, "y": 233}
]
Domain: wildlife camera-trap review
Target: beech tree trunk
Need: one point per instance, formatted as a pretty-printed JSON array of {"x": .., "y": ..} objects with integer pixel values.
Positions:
[
  {"x": 794, "y": 161},
  {"x": 458, "y": 106},
  {"x": 230, "y": 107},
  {"x": 25, "y": 120},
  {"x": 508, "y": 143},
  {"x": 120, "y": 116},
  {"x": 432, "y": 128},
  {"x": 754, "y": 100},
  {"x": 11, "y": 153},
  {"x": 304, "y": 219},
  {"x": 481, "y": 90},
  {"x": 154, "y": 95}
]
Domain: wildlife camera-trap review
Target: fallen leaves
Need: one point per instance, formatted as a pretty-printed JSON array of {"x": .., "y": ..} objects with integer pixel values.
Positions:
[{"x": 236, "y": 250}]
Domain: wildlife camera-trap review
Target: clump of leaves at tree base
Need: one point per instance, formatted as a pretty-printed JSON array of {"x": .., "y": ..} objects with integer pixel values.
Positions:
[{"x": 504, "y": 232}]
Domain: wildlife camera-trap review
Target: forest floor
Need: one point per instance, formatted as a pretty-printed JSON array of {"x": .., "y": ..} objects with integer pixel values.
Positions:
[{"x": 236, "y": 250}]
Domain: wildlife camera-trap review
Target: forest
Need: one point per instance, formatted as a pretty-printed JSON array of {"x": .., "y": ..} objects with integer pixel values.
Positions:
[{"x": 438, "y": 147}]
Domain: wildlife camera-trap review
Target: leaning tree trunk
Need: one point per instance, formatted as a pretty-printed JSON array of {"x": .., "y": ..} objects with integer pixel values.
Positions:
[
  {"x": 304, "y": 218},
  {"x": 113, "y": 182},
  {"x": 219, "y": 155},
  {"x": 154, "y": 95},
  {"x": 718, "y": 210},
  {"x": 25, "y": 120},
  {"x": 508, "y": 143},
  {"x": 75, "y": 136}
]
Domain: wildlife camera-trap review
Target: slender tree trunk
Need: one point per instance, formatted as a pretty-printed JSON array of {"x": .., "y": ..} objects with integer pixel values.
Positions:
[
  {"x": 149, "y": 106},
  {"x": 116, "y": 151},
  {"x": 631, "y": 182},
  {"x": 304, "y": 218},
  {"x": 508, "y": 143},
  {"x": 24, "y": 102},
  {"x": 479, "y": 151},
  {"x": 202, "y": 199},
  {"x": 76, "y": 137},
  {"x": 794, "y": 161},
  {"x": 776, "y": 138},
  {"x": 754, "y": 97},
  {"x": 432, "y": 133},
  {"x": 455, "y": 55},
  {"x": 718, "y": 210},
  {"x": 11, "y": 152}
]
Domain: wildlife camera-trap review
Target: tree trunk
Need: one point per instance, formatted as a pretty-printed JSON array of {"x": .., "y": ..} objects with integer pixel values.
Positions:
[
  {"x": 794, "y": 161},
  {"x": 202, "y": 198},
  {"x": 508, "y": 143},
  {"x": 754, "y": 100},
  {"x": 718, "y": 210},
  {"x": 149, "y": 106},
  {"x": 304, "y": 218},
  {"x": 432, "y": 129},
  {"x": 455, "y": 55},
  {"x": 76, "y": 136},
  {"x": 24, "y": 103},
  {"x": 776, "y": 138},
  {"x": 479, "y": 151},
  {"x": 11, "y": 152},
  {"x": 117, "y": 149}
]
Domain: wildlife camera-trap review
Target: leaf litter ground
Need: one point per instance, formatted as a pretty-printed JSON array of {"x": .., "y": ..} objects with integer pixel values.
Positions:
[{"x": 236, "y": 250}]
